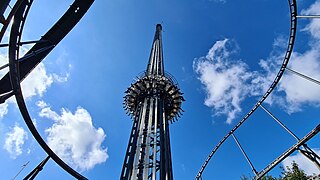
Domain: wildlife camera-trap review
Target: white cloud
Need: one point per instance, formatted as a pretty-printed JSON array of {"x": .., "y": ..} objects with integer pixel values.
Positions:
[
  {"x": 3, "y": 109},
  {"x": 228, "y": 82},
  {"x": 224, "y": 79},
  {"x": 314, "y": 26},
  {"x": 47, "y": 112},
  {"x": 41, "y": 104},
  {"x": 15, "y": 140},
  {"x": 218, "y": 1},
  {"x": 60, "y": 78},
  {"x": 35, "y": 123},
  {"x": 290, "y": 93},
  {"x": 74, "y": 138},
  {"x": 296, "y": 87},
  {"x": 304, "y": 163},
  {"x": 271, "y": 65},
  {"x": 37, "y": 82},
  {"x": 3, "y": 61}
]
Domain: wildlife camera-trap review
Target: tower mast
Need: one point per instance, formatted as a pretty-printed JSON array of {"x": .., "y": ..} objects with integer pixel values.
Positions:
[{"x": 152, "y": 101}]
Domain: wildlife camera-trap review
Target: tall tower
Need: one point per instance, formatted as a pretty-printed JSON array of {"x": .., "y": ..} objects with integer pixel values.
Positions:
[{"x": 152, "y": 101}]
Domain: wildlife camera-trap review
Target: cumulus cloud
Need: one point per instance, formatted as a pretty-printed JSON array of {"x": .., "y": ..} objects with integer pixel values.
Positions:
[
  {"x": 3, "y": 110},
  {"x": 314, "y": 26},
  {"x": 304, "y": 163},
  {"x": 218, "y": 1},
  {"x": 295, "y": 87},
  {"x": 61, "y": 78},
  {"x": 290, "y": 93},
  {"x": 35, "y": 84},
  {"x": 306, "y": 63},
  {"x": 228, "y": 81},
  {"x": 74, "y": 138},
  {"x": 39, "y": 80},
  {"x": 47, "y": 112},
  {"x": 224, "y": 79},
  {"x": 15, "y": 140},
  {"x": 3, "y": 61}
]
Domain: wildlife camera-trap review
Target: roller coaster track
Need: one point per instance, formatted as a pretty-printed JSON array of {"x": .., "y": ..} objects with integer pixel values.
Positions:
[
  {"x": 19, "y": 68},
  {"x": 301, "y": 142}
]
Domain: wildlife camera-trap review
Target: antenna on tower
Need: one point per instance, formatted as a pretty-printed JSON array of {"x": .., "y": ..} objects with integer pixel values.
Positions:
[
  {"x": 163, "y": 24},
  {"x": 22, "y": 168}
]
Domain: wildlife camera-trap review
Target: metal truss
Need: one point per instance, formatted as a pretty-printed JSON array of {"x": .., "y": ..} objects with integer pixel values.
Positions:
[
  {"x": 19, "y": 68},
  {"x": 148, "y": 151},
  {"x": 293, "y": 148},
  {"x": 301, "y": 145},
  {"x": 153, "y": 101},
  {"x": 36, "y": 170}
]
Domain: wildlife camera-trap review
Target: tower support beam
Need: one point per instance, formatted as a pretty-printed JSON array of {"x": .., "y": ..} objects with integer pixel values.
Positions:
[{"x": 153, "y": 101}]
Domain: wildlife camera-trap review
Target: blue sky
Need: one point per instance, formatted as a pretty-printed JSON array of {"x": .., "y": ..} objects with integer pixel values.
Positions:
[{"x": 223, "y": 54}]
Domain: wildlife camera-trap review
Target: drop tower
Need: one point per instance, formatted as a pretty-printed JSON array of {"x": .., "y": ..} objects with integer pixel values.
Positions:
[{"x": 153, "y": 101}]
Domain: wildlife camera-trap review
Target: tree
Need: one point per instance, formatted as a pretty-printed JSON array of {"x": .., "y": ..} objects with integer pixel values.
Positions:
[
  {"x": 288, "y": 173},
  {"x": 243, "y": 177},
  {"x": 293, "y": 173},
  {"x": 268, "y": 177}
]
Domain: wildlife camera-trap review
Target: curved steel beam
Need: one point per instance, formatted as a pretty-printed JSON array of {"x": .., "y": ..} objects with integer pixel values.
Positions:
[
  {"x": 23, "y": 21},
  {"x": 48, "y": 41},
  {"x": 10, "y": 16},
  {"x": 37, "y": 169},
  {"x": 287, "y": 153},
  {"x": 19, "y": 70},
  {"x": 293, "y": 29}
]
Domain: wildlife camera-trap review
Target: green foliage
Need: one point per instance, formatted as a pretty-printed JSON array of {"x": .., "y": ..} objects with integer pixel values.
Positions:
[
  {"x": 243, "y": 177},
  {"x": 288, "y": 173},
  {"x": 293, "y": 173},
  {"x": 268, "y": 177}
]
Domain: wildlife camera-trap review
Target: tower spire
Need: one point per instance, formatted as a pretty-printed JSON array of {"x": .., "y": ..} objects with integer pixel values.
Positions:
[
  {"x": 153, "y": 101},
  {"x": 155, "y": 64}
]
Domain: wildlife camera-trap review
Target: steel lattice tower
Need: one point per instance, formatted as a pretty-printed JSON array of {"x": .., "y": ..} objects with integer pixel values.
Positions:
[{"x": 153, "y": 101}]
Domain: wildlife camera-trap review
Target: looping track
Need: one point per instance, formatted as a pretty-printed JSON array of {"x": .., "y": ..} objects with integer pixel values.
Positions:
[
  {"x": 293, "y": 29},
  {"x": 19, "y": 68}
]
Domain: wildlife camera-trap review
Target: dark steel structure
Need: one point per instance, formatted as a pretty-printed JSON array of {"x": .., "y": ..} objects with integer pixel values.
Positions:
[
  {"x": 20, "y": 67},
  {"x": 153, "y": 101},
  {"x": 301, "y": 144}
]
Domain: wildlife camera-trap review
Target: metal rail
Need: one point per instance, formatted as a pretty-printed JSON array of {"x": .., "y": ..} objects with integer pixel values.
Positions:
[
  {"x": 9, "y": 18},
  {"x": 303, "y": 76},
  {"x": 309, "y": 16},
  {"x": 20, "y": 69},
  {"x": 36, "y": 170},
  {"x": 301, "y": 142},
  {"x": 293, "y": 29},
  {"x": 48, "y": 41}
]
